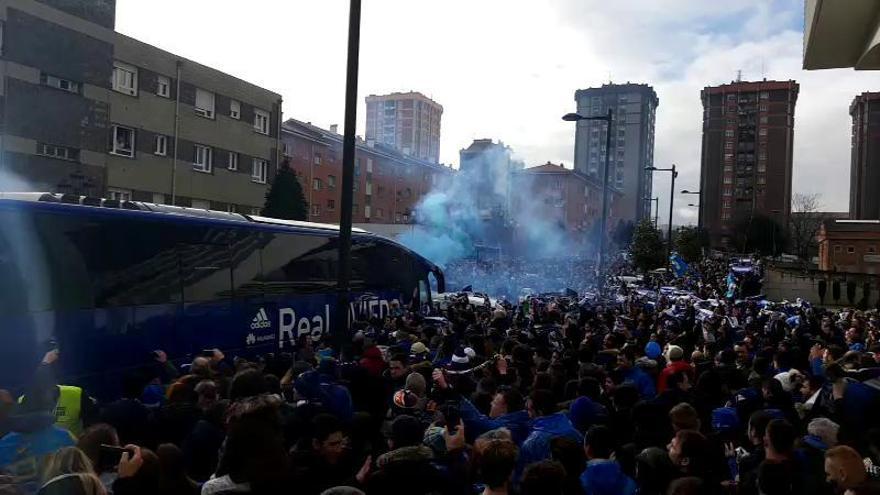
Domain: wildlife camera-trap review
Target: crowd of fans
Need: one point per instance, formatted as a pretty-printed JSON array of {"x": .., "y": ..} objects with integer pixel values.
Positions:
[
  {"x": 553, "y": 396},
  {"x": 506, "y": 278}
]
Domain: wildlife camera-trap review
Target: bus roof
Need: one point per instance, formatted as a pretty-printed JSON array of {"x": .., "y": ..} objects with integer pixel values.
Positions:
[{"x": 74, "y": 199}]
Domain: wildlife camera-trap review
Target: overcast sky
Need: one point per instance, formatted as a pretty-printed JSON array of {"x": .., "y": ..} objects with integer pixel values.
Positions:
[{"x": 508, "y": 69}]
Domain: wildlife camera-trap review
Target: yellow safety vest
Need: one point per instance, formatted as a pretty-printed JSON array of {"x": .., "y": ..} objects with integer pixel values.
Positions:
[{"x": 67, "y": 411}]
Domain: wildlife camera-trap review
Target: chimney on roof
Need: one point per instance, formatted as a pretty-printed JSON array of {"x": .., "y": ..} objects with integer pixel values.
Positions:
[{"x": 334, "y": 128}]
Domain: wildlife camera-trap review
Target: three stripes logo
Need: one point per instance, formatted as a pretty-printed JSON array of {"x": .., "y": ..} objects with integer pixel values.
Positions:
[{"x": 261, "y": 320}]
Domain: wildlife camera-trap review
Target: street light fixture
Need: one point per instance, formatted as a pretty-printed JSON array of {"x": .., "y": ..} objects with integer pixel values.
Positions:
[
  {"x": 700, "y": 212},
  {"x": 671, "y": 203},
  {"x": 575, "y": 117}
]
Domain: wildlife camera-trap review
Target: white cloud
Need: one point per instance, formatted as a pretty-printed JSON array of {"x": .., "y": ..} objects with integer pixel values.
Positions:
[{"x": 508, "y": 69}]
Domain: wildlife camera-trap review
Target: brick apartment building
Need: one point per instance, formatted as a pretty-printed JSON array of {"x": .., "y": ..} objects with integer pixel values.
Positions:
[
  {"x": 86, "y": 110},
  {"x": 864, "y": 179},
  {"x": 746, "y": 166},
  {"x": 387, "y": 184},
  {"x": 566, "y": 197}
]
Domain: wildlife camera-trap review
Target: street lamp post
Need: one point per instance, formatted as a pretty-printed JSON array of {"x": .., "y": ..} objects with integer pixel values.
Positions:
[
  {"x": 346, "y": 193},
  {"x": 700, "y": 210},
  {"x": 574, "y": 117},
  {"x": 671, "y": 204}
]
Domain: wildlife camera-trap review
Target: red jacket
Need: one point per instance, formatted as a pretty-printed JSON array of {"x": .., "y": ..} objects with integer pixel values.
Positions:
[{"x": 671, "y": 369}]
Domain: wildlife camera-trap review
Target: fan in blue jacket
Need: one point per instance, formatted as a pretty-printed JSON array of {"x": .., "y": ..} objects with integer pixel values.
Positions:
[
  {"x": 507, "y": 411},
  {"x": 603, "y": 476},
  {"x": 544, "y": 427}
]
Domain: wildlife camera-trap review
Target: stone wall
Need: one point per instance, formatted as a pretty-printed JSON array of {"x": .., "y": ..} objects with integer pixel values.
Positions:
[{"x": 781, "y": 283}]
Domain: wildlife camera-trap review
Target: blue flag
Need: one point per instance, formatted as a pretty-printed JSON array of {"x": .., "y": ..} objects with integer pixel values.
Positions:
[{"x": 679, "y": 265}]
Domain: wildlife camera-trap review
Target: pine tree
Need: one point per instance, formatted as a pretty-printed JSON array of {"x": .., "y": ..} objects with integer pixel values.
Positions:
[{"x": 285, "y": 199}]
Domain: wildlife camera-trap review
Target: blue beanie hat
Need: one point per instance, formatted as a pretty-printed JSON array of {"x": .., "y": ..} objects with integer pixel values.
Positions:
[
  {"x": 153, "y": 396},
  {"x": 653, "y": 350},
  {"x": 583, "y": 412},
  {"x": 724, "y": 419},
  {"x": 308, "y": 384}
]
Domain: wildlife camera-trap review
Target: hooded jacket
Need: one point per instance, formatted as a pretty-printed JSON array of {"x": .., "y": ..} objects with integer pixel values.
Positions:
[
  {"x": 410, "y": 471},
  {"x": 34, "y": 436},
  {"x": 605, "y": 477},
  {"x": 372, "y": 361},
  {"x": 536, "y": 447},
  {"x": 671, "y": 369},
  {"x": 476, "y": 423}
]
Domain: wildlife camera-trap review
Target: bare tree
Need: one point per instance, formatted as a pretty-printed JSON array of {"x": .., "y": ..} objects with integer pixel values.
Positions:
[{"x": 806, "y": 219}]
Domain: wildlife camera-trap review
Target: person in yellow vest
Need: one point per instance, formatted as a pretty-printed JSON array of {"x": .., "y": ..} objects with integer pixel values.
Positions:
[{"x": 72, "y": 405}]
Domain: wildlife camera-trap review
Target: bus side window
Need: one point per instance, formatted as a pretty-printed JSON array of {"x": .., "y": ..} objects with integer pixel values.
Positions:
[
  {"x": 299, "y": 263},
  {"x": 246, "y": 264},
  {"x": 131, "y": 263},
  {"x": 205, "y": 273}
]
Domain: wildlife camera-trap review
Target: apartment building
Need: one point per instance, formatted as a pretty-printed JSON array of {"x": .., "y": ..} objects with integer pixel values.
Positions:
[{"x": 87, "y": 110}]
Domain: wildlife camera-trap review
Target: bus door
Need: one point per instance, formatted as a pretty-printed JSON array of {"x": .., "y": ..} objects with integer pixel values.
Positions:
[{"x": 206, "y": 290}]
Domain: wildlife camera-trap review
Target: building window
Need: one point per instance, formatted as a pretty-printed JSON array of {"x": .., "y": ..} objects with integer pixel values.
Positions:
[
  {"x": 287, "y": 149},
  {"x": 762, "y": 131},
  {"x": 762, "y": 167},
  {"x": 369, "y": 165},
  {"x": 763, "y": 119},
  {"x": 728, "y": 180},
  {"x": 838, "y": 249},
  {"x": 163, "y": 87},
  {"x": 232, "y": 161},
  {"x": 379, "y": 212},
  {"x": 762, "y": 179},
  {"x": 161, "y": 145},
  {"x": 204, "y": 103},
  {"x": 125, "y": 78},
  {"x": 731, "y": 97},
  {"x": 331, "y": 182},
  {"x": 58, "y": 83},
  {"x": 728, "y": 191},
  {"x": 316, "y": 184},
  {"x": 331, "y": 204},
  {"x": 367, "y": 211},
  {"x": 872, "y": 249},
  {"x": 725, "y": 215},
  {"x": 123, "y": 141},
  {"x": 728, "y": 157},
  {"x": 728, "y": 133},
  {"x": 728, "y": 146},
  {"x": 765, "y": 95},
  {"x": 764, "y": 107},
  {"x": 261, "y": 121},
  {"x": 119, "y": 194},
  {"x": 850, "y": 250},
  {"x": 60, "y": 152},
  {"x": 234, "y": 109},
  {"x": 259, "y": 170},
  {"x": 202, "y": 161},
  {"x": 317, "y": 159}
]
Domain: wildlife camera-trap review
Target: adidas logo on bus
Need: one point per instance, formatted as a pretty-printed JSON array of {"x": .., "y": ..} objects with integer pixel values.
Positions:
[{"x": 261, "y": 320}]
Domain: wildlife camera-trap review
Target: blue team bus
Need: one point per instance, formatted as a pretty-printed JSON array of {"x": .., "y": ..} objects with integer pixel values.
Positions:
[{"x": 110, "y": 281}]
